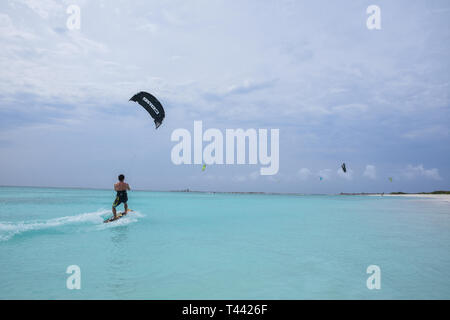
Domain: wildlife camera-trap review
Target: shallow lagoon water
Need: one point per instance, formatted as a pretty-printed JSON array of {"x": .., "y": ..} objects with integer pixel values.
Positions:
[{"x": 221, "y": 246}]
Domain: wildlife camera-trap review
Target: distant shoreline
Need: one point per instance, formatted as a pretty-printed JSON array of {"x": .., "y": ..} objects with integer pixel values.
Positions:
[
  {"x": 438, "y": 192},
  {"x": 395, "y": 193},
  {"x": 429, "y": 196}
]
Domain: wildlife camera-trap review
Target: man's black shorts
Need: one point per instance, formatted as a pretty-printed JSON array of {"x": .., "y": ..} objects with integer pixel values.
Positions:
[{"x": 120, "y": 198}]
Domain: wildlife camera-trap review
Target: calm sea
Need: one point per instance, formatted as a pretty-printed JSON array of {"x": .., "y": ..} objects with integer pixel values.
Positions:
[{"x": 221, "y": 246}]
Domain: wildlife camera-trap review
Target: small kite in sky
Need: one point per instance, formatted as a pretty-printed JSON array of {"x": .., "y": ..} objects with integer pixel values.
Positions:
[
  {"x": 343, "y": 167},
  {"x": 390, "y": 179},
  {"x": 204, "y": 167}
]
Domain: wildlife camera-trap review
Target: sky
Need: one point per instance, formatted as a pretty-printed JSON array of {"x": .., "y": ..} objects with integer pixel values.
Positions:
[{"x": 377, "y": 100}]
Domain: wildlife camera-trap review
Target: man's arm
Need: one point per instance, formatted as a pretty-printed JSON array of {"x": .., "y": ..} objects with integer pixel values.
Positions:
[
  {"x": 115, "y": 186},
  {"x": 128, "y": 187}
]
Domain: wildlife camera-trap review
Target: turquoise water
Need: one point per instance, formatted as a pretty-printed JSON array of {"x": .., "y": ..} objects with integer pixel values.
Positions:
[{"x": 221, "y": 246}]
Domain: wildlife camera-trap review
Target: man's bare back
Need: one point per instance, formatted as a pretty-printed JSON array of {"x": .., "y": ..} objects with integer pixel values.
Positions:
[{"x": 121, "y": 186}]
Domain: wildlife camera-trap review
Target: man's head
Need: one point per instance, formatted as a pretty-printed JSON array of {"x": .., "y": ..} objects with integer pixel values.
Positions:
[{"x": 121, "y": 177}]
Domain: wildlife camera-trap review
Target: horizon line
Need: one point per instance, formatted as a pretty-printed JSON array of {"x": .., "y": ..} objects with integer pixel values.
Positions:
[{"x": 229, "y": 192}]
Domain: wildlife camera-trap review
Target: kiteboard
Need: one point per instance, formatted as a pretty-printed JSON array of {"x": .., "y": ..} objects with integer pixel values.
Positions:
[{"x": 119, "y": 215}]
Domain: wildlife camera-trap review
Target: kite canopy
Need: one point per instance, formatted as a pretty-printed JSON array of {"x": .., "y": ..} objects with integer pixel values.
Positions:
[
  {"x": 343, "y": 167},
  {"x": 152, "y": 105}
]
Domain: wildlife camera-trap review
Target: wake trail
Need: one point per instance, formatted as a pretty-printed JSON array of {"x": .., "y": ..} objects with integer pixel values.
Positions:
[{"x": 10, "y": 229}]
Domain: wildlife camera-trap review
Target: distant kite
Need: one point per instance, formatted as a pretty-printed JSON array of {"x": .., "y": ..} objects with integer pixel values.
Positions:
[
  {"x": 320, "y": 178},
  {"x": 343, "y": 167},
  {"x": 152, "y": 105},
  {"x": 390, "y": 179},
  {"x": 204, "y": 167}
]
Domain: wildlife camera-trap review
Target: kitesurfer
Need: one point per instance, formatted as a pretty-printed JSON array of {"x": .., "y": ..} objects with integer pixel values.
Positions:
[{"x": 121, "y": 187}]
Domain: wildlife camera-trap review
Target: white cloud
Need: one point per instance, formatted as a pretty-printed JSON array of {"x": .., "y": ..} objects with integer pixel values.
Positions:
[
  {"x": 353, "y": 108},
  {"x": 304, "y": 173},
  {"x": 275, "y": 178},
  {"x": 148, "y": 27},
  {"x": 45, "y": 8},
  {"x": 240, "y": 178},
  {"x": 9, "y": 31},
  {"x": 429, "y": 132},
  {"x": 248, "y": 86},
  {"x": 412, "y": 172},
  {"x": 254, "y": 175},
  {"x": 370, "y": 172},
  {"x": 60, "y": 63},
  {"x": 325, "y": 174},
  {"x": 346, "y": 175}
]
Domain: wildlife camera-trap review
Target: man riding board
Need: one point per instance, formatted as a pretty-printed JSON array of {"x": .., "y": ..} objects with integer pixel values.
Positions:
[{"x": 121, "y": 187}]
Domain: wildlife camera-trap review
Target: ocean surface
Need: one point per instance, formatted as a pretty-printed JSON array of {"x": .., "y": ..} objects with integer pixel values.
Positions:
[{"x": 221, "y": 246}]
